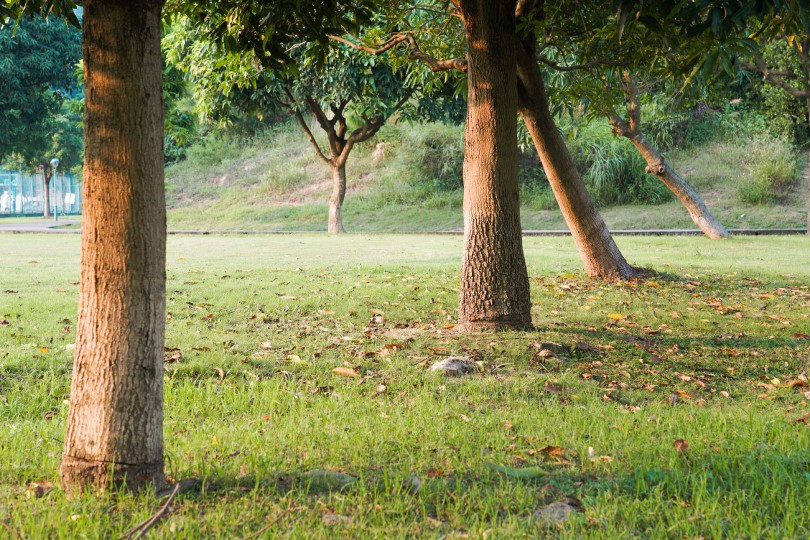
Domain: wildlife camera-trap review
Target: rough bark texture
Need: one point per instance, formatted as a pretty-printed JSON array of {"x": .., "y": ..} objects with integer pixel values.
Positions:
[
  {"x": 494, "y": 288},
  {"x": 115, "y": 422},
  {"x": 598, "y": 251},
  {"x": 657, "y": 166},
  {"x": 336, "y": 200}
]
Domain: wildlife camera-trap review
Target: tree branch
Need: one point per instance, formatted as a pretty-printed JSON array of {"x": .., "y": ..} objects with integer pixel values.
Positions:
[
  {"x": 776, "y": 77},
  {"x": 577, "y": 67},
  {"x": 415, "y": 53},
  {"x": 303, "y": 123}
]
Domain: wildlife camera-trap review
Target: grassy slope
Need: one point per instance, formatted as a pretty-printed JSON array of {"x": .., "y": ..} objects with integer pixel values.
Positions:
[
  {"x": 278, "y": 313},
  {"x": 277, "y": 183}
]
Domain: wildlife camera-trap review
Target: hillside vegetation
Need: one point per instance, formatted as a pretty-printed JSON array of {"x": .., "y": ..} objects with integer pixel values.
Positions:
[{"x": 408, "y": 179}]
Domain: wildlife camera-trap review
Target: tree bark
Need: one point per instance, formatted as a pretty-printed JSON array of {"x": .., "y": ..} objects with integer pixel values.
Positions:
[
  {"x": 598, "y": 251},
  {"x": 46, "y": 190},
  {"x": 115, "y": 422},
  {"x": 494, "y": 289},
  {"x": 336, "y": 200}
]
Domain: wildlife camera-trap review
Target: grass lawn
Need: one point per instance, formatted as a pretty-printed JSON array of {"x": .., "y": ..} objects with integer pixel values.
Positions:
[{"x": 674, "y": 407}]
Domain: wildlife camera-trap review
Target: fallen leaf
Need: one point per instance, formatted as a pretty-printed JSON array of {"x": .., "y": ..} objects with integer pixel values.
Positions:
[
  {"x": 615, "y": 316},
  {"x": 681, "y": 446},
  {"x": 684, "y": 394},
  {"x": 798, "y": 383},
  {"x": 348, "y": 372},
  {"x": 221, "y": 373},
  {"x": 724, "y": 393},
  {"x": 381, "y": 388}
]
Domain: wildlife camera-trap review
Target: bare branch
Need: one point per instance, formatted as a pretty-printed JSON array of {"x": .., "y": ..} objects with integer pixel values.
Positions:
[
  {"x": 395, "y": 40},
  {"x": 303, "y": 123},
  {"x": 310, "y": 136},
  {"x": 577, "y": 67},
  {"x": 459, "y": 64}
]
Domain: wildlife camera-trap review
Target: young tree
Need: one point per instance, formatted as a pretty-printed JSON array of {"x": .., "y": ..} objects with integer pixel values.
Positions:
[{"x": 350, "y": 94}]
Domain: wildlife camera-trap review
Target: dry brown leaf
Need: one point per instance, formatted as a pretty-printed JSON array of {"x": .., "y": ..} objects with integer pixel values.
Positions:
[
  {"x": 346, "y": 371},
  {"x": 684, "y": 394},
  {"x": 681, "y": 446}
]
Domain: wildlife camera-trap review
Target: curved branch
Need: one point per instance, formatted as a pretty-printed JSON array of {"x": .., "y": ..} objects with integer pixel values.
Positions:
[
  {"x": 415, "y": 53},
  {"x": 777, "y": 78}
]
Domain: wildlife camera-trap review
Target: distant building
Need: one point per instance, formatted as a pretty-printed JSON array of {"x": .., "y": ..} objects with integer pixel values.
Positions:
[{"x": 22, "y": 194}]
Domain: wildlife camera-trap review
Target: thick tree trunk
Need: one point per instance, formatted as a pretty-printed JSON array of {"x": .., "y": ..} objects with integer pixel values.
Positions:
[
  {"x": 115, "y": 422},
  {"x": 46, "y": 192},
  {"x": 494, "y": 289},
  {"x": 598, "y": 251},
  {"x": 657, "y": 166},
  {"x": 336, "y": 200}
]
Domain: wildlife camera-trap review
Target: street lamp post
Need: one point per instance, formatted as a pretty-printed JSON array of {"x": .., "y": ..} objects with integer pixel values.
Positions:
[{"x": 54, "y": 166}]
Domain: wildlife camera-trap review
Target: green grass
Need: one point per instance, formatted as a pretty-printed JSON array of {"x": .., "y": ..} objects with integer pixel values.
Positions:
[
  {"x": 276, "y": 183},
  {"x": 276, "y": 314}
]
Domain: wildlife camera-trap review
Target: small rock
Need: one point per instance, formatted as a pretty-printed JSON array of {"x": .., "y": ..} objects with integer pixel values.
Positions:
[
  {"x": 455, "y": 366},
  {"x": 412, "y": 484},
  {"x": 558, "y": 511},
  {"x": 334, "y": 519}
]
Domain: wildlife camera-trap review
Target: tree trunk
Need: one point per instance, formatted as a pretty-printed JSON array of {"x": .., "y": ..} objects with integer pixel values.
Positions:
[
  {"x": 336, "y": 200},
  {"x": 115, "y": 422},
  {"x": 657, "y": 166},
  {"x": 494, "y": 290},
  {"x": 46, "y": 191},
  {"x": 598, "y": 251}
]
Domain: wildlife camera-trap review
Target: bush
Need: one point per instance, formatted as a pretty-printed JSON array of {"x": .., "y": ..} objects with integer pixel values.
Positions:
[
  {"x": 614, "y": 173},
  {"x": 773, "y": 166},
  {"x": 441, "y": 155}
]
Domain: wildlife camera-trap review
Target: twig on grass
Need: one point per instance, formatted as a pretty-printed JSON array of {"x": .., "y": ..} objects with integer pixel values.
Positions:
[
  {"x": 142, "y": 528},
  {"x": 11, "y": 529}
]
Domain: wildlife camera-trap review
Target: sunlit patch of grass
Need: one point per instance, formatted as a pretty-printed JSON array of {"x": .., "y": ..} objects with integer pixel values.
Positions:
[{"x": 253, "y": 405}]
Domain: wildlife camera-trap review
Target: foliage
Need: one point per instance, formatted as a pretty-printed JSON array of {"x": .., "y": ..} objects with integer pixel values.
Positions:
[
  {"x": 37, "y": 60},
  {"x": 254, "y": 410},
  {"x": 773, "y": 167}
]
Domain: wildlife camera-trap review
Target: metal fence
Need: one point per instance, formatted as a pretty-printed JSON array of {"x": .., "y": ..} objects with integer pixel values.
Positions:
[{"x": 23, "y": 194}]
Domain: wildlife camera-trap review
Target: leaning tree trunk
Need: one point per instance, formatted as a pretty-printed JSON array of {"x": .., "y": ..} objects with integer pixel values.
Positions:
[
  {"x": 657, "y": 166},
  {"x": 494, "y": 290},
  {"x": 336, "y": 200},
  {"x": 46, "y": 192},
  {"x": 115, "y": 422},
  {"x": 598, "y": 251}
]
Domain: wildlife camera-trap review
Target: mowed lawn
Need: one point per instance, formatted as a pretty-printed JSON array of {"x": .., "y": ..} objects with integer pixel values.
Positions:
[{"x": 670, "y": 407}]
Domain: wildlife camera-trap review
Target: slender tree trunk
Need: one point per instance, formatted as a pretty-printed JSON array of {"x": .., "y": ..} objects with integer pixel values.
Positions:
[
  {"x": 336, "y": 200},
  {"x": 115, "y": 422},
  {"x": 657, "y": 166},
  {"x": 807, "y": 168},
  {"x": 598, "y": 251},
  {"x": 494, "y": 283},
  {"x": 46, "y": 191}
]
